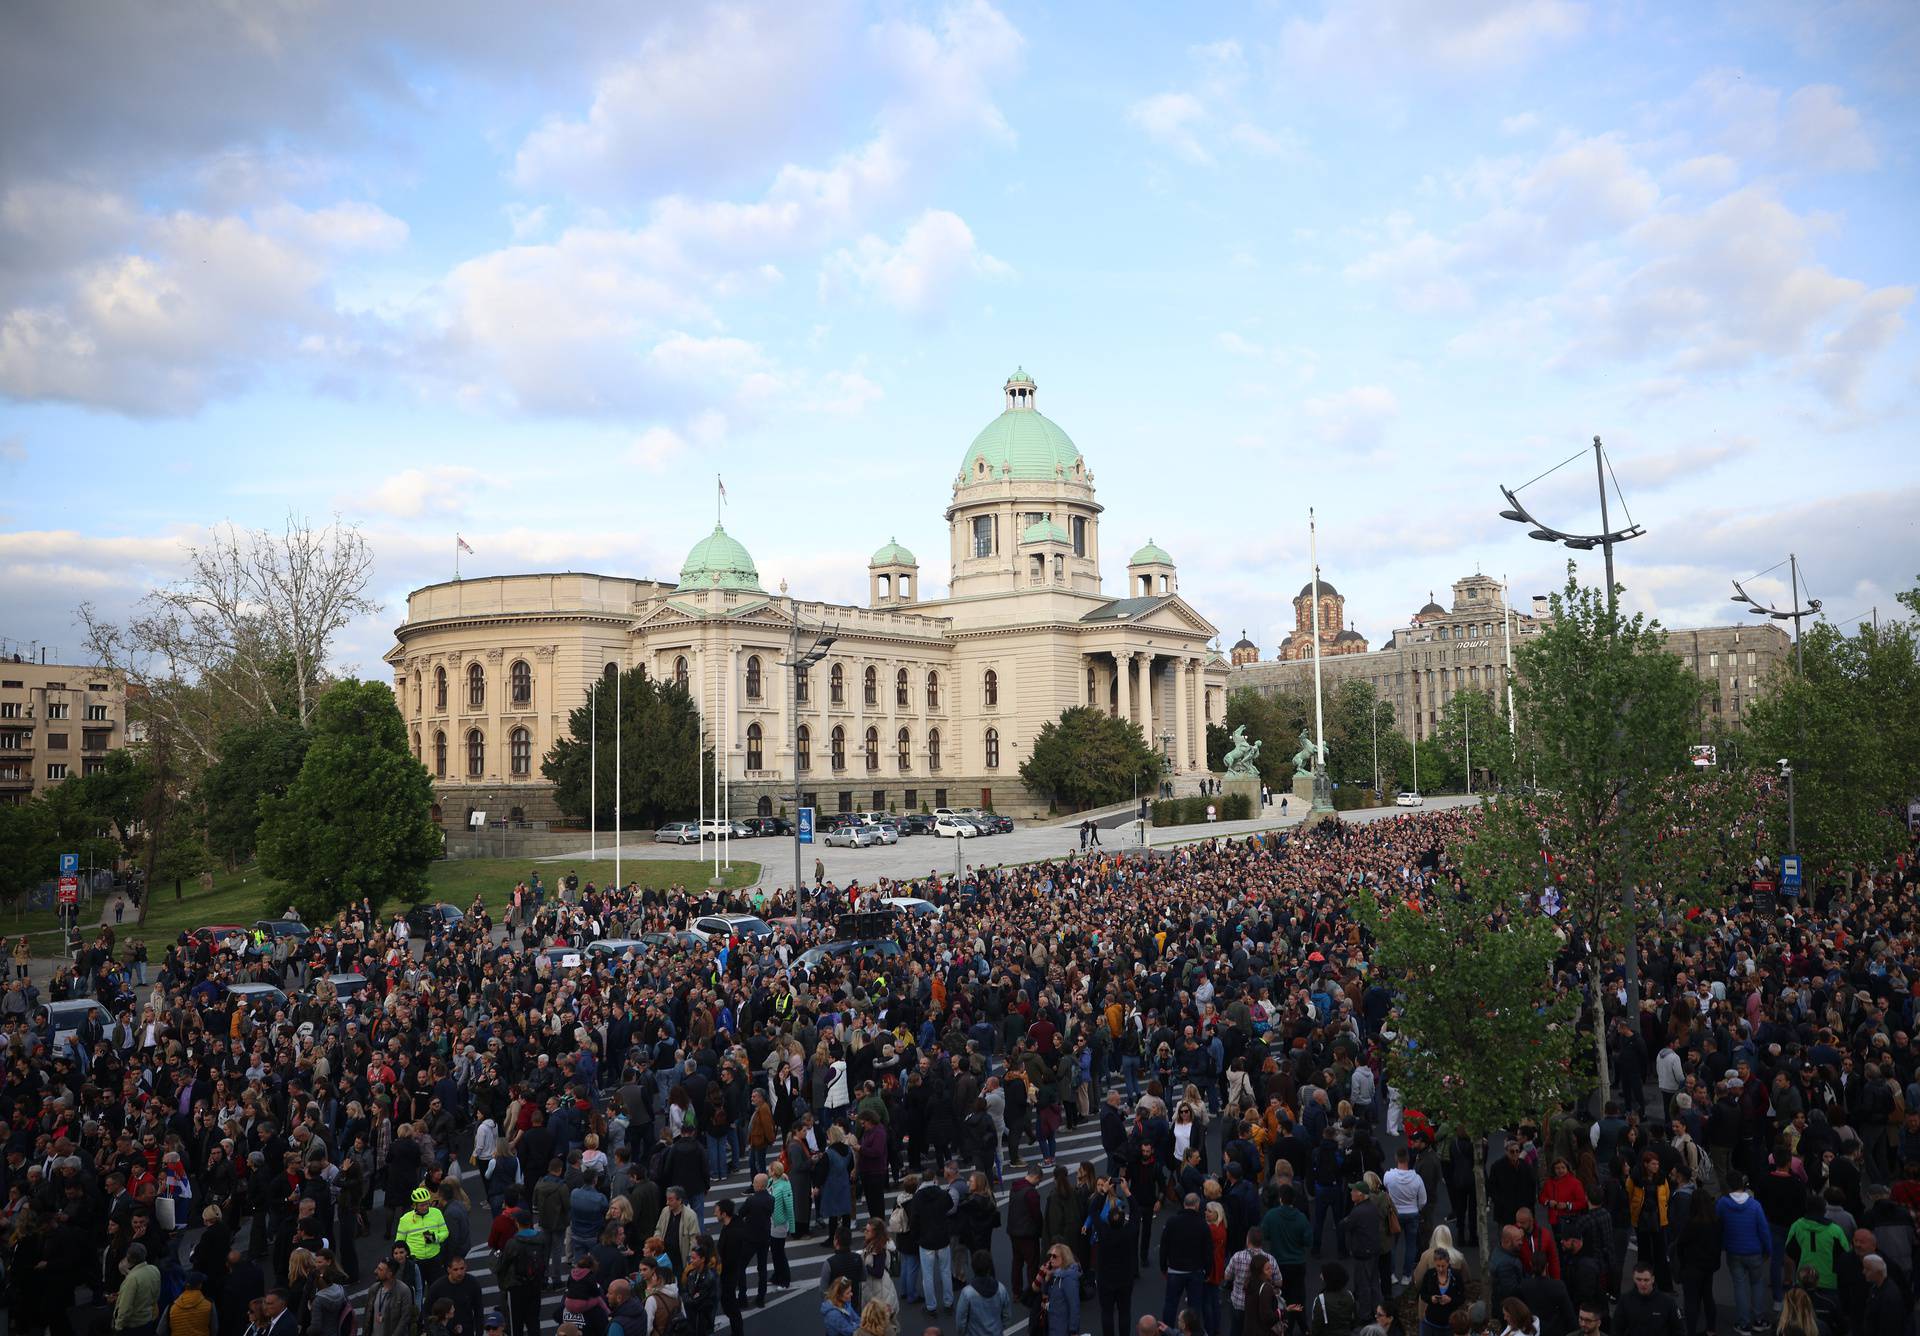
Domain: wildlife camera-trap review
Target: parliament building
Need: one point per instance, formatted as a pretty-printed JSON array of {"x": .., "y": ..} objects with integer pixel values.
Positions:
[{"x": 920, "y": 702}]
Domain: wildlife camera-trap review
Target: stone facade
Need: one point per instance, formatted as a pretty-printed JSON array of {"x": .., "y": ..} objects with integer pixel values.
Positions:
[
  {"x": 1442, "y": 650},
  {"x": 1336, "y": 637},
  {"x": 919, "y": 702},
  {"x": 56, "y": 721}
]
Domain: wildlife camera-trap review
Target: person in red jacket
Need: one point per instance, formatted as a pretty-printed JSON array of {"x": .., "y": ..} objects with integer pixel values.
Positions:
[{"x": 1563, "y": 1195}]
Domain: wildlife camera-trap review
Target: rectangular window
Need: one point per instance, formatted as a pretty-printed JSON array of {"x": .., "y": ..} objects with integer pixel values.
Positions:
[
  {"x": 97, "y": 713},
  {"x": 910, "y": 800},
  {"x": 56, "y": 711},
  {"x": 1749, "y": 658},
  {"x": 96, "y": 739},
  {"x": 57, "y": 770},
  {"x": 983, "y": 535},
  {"x": 9, "y": 709},
  {"x": 92, "y": 766},
  {"x": 1713, "y": 660},
  {"x": 939, "y": 797},
  {"x": 846, "y": 800},
  {"x": 13, "y": 741},
  {"x": 1079, "y": 536},
  {"x": 811, "y": 799},
  {"x": 879, "y": 800},
  {"x": 96, "y": 686},
  {"x": 56, "y": 742},
  {"x": 12, "y": 682}
]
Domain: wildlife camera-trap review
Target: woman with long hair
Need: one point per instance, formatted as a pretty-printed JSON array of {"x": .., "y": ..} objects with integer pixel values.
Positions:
[
  {"x": 1519, "y": 1318},
  {"x": 837, "y": 1317},
  {"x": 1796, "y": 1315}
]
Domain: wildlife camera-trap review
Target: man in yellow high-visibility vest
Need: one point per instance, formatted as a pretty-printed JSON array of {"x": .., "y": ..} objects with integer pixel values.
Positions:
[{"x": 423, "y": 1230}]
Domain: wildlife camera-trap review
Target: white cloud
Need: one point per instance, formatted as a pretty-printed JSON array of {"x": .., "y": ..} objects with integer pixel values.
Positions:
[
  {"x": 1707, "y": 172},
  {"x": 1520, "y": 123},
  {"x": 1170, "y": 119},
  {"x": 1374, "y": 39},
  {"x": 1198, "y": 123},
  {"x": 656, "y": 448},
  {"x": 1812, "y": 129},
  {"x": 1820, "y": 129},
  {"x": 922, "y": 274},
  {"x": 710, "y": 89},
  {"x": 412, "y": 493},
  {"x": 1357, "y": 417},
  {"x": 350, "y": 226},
  {"x": 1419, "y": 270}
]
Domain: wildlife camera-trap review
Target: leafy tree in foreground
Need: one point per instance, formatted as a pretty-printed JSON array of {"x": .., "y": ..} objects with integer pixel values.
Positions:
[
  {"x": 1274, "y": 721},
  {"x": 1608, "y": 715},
  {"x": 1482, "y": 1037},
  {"x": 660, "y": 755},
  {"x": 357, "y": 820},
  {"x": 1472, "y": 728},
  {"x": 257, "y": 760},
  {"x": 1088, "y": 758}
]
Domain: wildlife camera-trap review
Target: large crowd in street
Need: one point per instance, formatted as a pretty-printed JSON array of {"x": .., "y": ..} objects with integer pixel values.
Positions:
[{"x": 199, "y": 1165}]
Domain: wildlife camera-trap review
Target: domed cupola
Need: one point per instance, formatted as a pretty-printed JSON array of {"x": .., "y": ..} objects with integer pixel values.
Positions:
[
  {"x": 1022, "y": 443},
  {"x": 718, "y": 561}
]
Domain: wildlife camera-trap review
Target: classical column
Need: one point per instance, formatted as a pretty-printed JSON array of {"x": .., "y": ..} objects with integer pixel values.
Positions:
[
  {"x": 1179, "y": 715},
  {"x": 1123, "y": 674},
  {"x": 1145, "y": 658},
  {"x": 731, "y": 704},
  {"x": 1197, "y": 733}
]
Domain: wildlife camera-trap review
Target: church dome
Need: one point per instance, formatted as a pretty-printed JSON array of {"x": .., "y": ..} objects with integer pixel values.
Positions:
[
  {"x": 893, "y": 555},
  {"x": 1150, "y": 555},
  {"x": 718, "y": 561},
  {"x": 1432, "y": 609},
  {"x": 1326, "y": 587},
  {"x": 1021, "y": 442},
  {"x": 1244, "y": 643},
  {"x": 1347, "y": 637}
]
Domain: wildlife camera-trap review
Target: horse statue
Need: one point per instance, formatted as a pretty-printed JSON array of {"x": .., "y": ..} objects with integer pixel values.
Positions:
[
  {"x": 1242, "y": 755},
  {"x": 1305, "y": 759}
]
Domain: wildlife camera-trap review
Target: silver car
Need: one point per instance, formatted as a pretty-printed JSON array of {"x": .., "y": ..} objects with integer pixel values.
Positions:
[
  {"x": 677, "y": 832},
  {"x": 852, "y": 837},
  {"x": 885, "y": 832}
]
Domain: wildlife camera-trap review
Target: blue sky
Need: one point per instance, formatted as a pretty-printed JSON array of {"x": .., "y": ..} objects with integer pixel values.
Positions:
[{"x": 537, "y": 274}]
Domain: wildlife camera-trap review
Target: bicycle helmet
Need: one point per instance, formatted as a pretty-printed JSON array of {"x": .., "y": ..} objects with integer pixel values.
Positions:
[{"x": 422, "y": 1195}]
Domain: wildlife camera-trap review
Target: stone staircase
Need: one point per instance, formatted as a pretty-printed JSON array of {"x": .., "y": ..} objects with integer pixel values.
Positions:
[{"x": 1118, "y": 814}]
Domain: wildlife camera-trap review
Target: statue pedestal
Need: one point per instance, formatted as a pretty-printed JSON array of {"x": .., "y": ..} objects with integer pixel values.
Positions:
[
  {"x": 1247, "y": 784},
  {"x": 1322, "y": 791},
  {"x": 1303, "y": 792}
]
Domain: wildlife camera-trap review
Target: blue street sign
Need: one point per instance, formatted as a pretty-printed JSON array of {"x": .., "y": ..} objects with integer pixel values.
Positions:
[
  {"x": 1790, "y": 872},
  {"x": 805, "y": 825},
  {"x": 69, "y": 864}
]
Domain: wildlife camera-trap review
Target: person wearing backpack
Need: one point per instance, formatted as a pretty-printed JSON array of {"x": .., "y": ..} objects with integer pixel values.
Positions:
[{"x": 522, "y": 1269}]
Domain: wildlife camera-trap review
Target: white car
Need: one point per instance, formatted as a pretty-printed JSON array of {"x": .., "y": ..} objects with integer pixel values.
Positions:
[
  {"x": 713, "y": 827},
  {"x": 724, "y": 926},
  {"x": 1407, "y": 798},
  {"x": 912, "y": 906},
  {"x": 954, "y": 827}
]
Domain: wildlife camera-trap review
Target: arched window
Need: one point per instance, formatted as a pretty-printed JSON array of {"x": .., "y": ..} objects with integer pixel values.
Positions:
[
  {"x": 680, "y": 671},
  {"x": 520, "y": 752},
  {"x": 764, "y": 807},
  {"x": 802, "y": 689},
  {"x": 870, "y": 685},
  {"x": 520, "y": 684},
  {"x": 900, "y": 688},
  {"x": 933, "y": 691},
  {"x": 419, "y": 694},
  {"x": 873, "y": 749},
  {"x": 476, "y": 686},
  {"x": 933, "y": 749},
  {"x": 1090, "y": 684},
  {"x": 990, "y": 691},
  {"x": 753, "y": 677},
  {"x": 476, "y": 753},
  {"x": 416, "y": 744},
  {"x": 753, "y": 746},
  {"x": 839, "y": 741},
  {"x": 440, "y": 689},
  {"x": 517, "y": 815},
  {"x": 610, "y": 672},
  {"x": 993, "y": 749},
  {"x": 439, "y": 755},
  {"x": 803, "y": 748},
  {"x": 904, "y": 744},
  {"x": 837, "y": 686}
]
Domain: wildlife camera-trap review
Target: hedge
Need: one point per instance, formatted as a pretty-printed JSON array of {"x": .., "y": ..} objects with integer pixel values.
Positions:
[{"x": 1193, "y": 811}]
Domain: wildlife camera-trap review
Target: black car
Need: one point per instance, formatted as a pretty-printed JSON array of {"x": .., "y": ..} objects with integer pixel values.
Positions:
[
  {"x": 997, "y": 824},
  {"x": 916, "y": 823},
  {"x": 422, "y": 919},
  {"x": 768, "y": 825}
]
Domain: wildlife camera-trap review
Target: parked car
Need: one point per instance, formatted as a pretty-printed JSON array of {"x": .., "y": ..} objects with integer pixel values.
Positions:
[
  {"x": 851, "y": 836},
  {"x": 68, "y": 1016},
  {"x": 724, "y": 926},
  {"x": 885, "y": 832},
  {"x": 916, "y": 823},
  {"x": 609, "y": 948},
  {"x": 1407, "y": 798},
  {"x": 768, "y": 825},
  {"x": 999, "y": 825},
  {"x": 422, "y": 919},
  {"x": 953, "y": 827},
  {"x": 912, "y": 906},
  {"x": 347, "y": 986},
  {"x": 666, "y": 941},
  {"x": 677, "y": 832},
  {"x": 260, "y": 995},
  {"x": 215, "y": 933},
  {"x": 275, "y": 929},
  {"x": 713, "y": 827},
  {"x": 561, "y": 958},
  {"x": 879, "y": 946}
]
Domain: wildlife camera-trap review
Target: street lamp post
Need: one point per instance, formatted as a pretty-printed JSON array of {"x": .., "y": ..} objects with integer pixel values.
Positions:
[
  {"x": 798, "y": 663},
  {"x": 1604, "y": 540},
  {"x": 1374, "y": 721},
  {"x": 1794, "y": 613}
]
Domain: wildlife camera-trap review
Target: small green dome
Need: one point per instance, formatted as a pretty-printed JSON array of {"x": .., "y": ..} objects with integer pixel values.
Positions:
[
  {"x": 893, "y": 555},
  {"x": 1150, "y": 555},
  {"x": 719, "y": 555},
  {"x": 1019, "y": 377},
  {"x": 1044, "y": 531}
]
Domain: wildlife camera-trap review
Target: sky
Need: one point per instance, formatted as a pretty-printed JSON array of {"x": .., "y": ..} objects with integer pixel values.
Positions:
[{"x": 537, "y": 275}]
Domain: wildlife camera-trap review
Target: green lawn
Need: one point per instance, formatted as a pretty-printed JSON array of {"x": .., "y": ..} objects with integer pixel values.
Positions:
[{"x": 242, "y": 897}]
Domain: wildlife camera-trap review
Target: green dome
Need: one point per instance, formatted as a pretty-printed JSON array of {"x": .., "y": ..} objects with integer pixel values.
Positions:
[
  {"x": 1045, "y": 531},
  {"x": 1019, "y": 377},
  {"x": 893, "y": 555},
  {"x": 1022, "y": 443},
  {"x": 718, "y": 555},
  {"x": 1150, "y": 555}
]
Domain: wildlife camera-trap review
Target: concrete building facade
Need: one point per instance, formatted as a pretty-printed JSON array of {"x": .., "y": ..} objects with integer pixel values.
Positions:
[
  {"x": 57, "y": 721},
  {"x": 919, "y": 703},
  {"x": 1444, "y": 649}
]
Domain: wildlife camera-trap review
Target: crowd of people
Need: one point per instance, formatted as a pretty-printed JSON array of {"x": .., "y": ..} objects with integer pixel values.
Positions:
[{"x": 203, "y": 1165}]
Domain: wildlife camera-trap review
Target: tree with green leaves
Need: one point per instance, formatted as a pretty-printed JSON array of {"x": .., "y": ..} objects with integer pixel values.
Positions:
[
  {"x": 1274, "y": 721},
  {"x": 1630, "y": 830},
  {"x": 358, "y": 819},
  {"x": 257, "y": 760},
  {"x": 661, "y": 762},
  {"x": 29, "y": 852},
  {"x": 1482, "y": 1036},
  {"x": 1088, "y": 758},
  {"x": 1848, "y": 722},
  {"x": 1473, "y": 730}
]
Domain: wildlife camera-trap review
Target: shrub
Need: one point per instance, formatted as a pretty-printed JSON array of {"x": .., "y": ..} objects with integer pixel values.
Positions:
[{"x": 1235, "y": 807}]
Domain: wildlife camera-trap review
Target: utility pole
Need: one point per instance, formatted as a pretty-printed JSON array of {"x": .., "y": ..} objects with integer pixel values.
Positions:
[{"x": 1319, "y": 717}]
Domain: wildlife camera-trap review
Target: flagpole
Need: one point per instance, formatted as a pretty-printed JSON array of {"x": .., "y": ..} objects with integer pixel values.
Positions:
[
  {"x": 616, "y": 772},
  {"x": 456, "y": 558},
  {"x": 593, "y": 780},
  {"x": 1319, "y": 718}
]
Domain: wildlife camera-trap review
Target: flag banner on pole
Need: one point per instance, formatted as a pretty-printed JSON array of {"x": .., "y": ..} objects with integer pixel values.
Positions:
[{"x": 464, "y": 547}]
